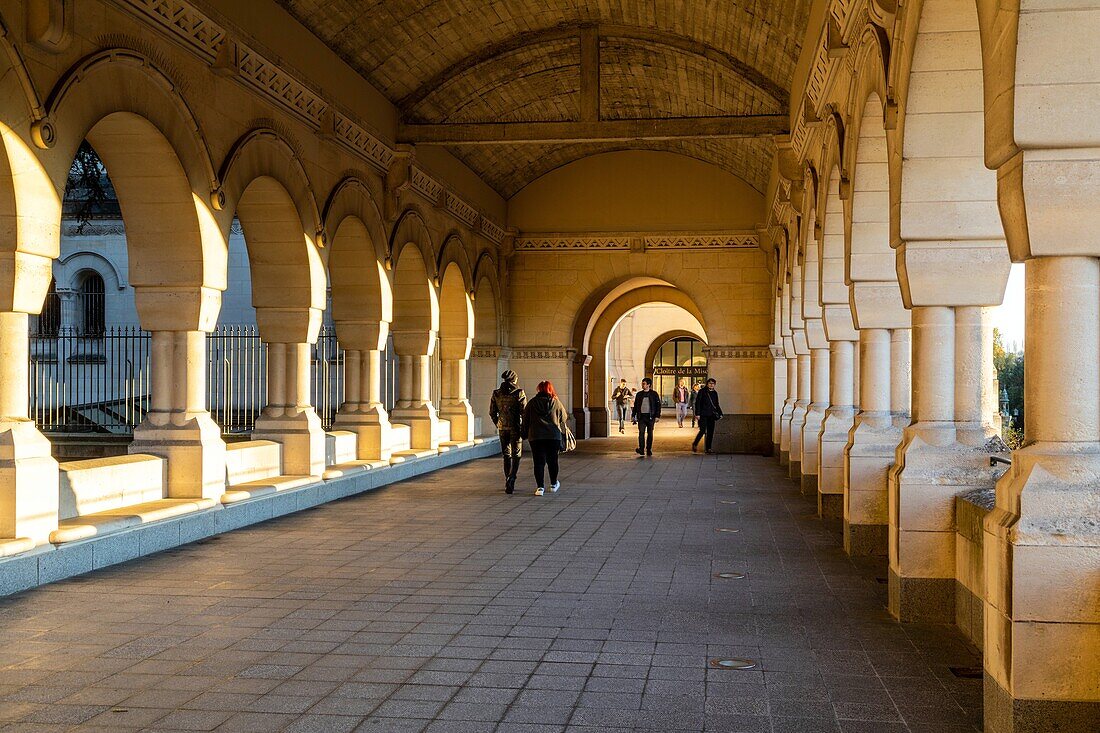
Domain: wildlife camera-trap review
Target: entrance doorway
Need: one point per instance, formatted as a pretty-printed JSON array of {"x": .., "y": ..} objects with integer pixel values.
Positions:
[{"x": 676, "y": 359}]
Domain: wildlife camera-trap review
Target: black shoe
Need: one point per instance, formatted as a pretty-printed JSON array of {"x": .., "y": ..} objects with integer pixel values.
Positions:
[
  {"x": 694, "y": 447},
  {"x": 509, "y": 485},
  {"x": 639, "y": 451},
  {"x": 709, "y": 452},
  {"x": 649, "y": 453}
]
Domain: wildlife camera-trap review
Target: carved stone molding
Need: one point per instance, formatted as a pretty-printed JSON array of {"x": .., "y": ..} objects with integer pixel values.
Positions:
[
  {"x": 198, "y": 33},
  {"x": 639, "y": 241},
  {"x": 425, "y": 185},
  {"x": 542, "y": 353},
  {"x": 739, "y": 352},
  {"x": 489, "y": 352}
]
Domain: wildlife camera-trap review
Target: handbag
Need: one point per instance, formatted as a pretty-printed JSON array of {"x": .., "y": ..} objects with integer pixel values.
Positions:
[{"x": 568, "y": 441}]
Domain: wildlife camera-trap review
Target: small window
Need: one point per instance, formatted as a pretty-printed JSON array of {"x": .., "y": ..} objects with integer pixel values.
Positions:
[
  {"x": 92, "y": 306},
  {"x": 48, "y": 323}
]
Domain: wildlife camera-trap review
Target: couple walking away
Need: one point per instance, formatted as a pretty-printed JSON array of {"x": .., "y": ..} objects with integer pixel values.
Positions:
[{"x": 542, "y": 421}]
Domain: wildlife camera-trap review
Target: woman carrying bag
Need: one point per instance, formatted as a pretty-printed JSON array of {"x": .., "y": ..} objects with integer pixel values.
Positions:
[{"x": 548, "y": 433}]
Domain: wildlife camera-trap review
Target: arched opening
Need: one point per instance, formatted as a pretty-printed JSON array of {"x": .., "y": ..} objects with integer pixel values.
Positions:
[
  {"x": 456, "y": 335},
  {"x": 415, "y": 332},
  {"x": 486, "y": 364}
]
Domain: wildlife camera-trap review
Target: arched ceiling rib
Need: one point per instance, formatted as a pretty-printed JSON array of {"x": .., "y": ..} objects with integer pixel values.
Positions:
[{"x": 708, "y": 79}]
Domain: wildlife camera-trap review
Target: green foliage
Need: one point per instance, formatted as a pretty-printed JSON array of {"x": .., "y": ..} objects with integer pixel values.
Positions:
[{"x": 1010, "y": 378}]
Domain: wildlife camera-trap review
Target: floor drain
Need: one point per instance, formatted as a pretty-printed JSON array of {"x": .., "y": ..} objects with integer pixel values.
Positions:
[
  {"x": 967, "y": 673},
  {"x": 729, "y": 576},
  {"x": 882, "y": 581},
  {"x": 728, "y": 501},
  {"x": 727, "y": 529},
  {"x": 733, "y": 664}
]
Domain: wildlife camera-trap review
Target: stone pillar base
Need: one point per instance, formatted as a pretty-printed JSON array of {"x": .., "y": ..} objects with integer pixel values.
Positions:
[
  {"x": 868, "y": 457},
  {"x": 775, "y": 448},
  {"x": 422, "y": 421},
  {"x": 1041, "y": 549},
  {"x": 922, "y": 599},
  {"x": 29, "y": 481},
  {"x": 302, "y": 438},
  {"x": 930, "y": 471},
  {"x": 599, "y": 422},
  {"x": 830, "y": 507},
  {"x": 743, "y": 434},
  {"x": 809, "y": 484},
  {"x": 372, "y": 432},
  {"x": 1003, "y": 714},
  {"x": 194, "y": 451},
  {"x": 784, "y": 458},
  {"x": 866, "y": 540},
  {"x": 461, "y": 416}
]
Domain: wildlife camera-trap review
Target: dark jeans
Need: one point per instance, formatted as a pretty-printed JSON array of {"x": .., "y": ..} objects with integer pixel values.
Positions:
[
  {"x": 623, "y": 411},
  {"x": 545, "y": 453},
  {"x": 645, "y": 432},
  {"x": 511, "y": 447},
  {"x": 706, "y": 428}
]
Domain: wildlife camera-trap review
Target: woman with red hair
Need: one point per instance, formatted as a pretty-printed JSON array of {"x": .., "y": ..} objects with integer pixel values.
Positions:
[{"x": 545, "y": 421}]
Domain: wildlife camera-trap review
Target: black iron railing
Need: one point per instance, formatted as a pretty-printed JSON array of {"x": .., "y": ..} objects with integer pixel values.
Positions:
[{"x": 101, "y": 384}]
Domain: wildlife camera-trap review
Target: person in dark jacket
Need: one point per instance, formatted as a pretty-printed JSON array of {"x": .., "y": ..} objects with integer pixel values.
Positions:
[
  {"x": 545, "y": 421},
  {"x": 621, "y": 398},
  {"x": 506, "y": 411},
  {"x": 646, "y": 413},
  {"x": 709, "y": 411}
]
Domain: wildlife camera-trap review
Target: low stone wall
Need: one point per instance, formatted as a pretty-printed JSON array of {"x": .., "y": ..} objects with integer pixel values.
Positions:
[
  {"x": 49, "y": 563},
  {"x": 750, "y": 434},
  {"x": 971, "y": 509}
]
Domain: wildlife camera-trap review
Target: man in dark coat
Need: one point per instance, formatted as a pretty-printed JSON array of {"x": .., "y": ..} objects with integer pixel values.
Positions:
[
  {"x": 709, "y": 411},
  {"x": 506, "y": 412},
  {"x": 646, "y": 413}
]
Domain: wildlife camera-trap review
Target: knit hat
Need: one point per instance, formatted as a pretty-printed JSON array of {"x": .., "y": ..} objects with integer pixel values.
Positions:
[{"x": 510, "y": 377}]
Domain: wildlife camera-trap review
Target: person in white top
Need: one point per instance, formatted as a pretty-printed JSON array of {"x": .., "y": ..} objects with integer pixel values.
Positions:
[{"x": 646, "y": 413}]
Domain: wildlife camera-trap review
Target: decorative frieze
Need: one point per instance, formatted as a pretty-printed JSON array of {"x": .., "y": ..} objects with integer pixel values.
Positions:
[
  {"x": 720, "y": 240},
  {"x": 425, "y": 185},
  {"x": 202, "y": 36},
  {"x": 492, "y": 231},
  {"x": 739, "y": 352},
  {"x": 644, "y": 241},
  {"x": 573, "y": 243},
  {"x": 544, "y": 353},
  {"x": 461, "y": 210},
  {"x": 488, "y": 352}
]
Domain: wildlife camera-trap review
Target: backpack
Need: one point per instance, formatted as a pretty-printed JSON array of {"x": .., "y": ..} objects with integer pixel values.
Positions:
[{"x": 508, "y": 409}]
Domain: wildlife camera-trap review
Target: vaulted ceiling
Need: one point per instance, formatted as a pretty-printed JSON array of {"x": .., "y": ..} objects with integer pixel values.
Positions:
[{"x": 520, "y": 61}]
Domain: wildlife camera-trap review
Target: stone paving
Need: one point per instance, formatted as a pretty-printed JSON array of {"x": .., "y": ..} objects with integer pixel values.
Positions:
[{"x": 442, "y": 604}]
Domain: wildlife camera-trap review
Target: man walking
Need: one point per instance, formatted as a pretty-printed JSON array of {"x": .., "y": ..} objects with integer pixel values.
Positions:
[
  {"x": 621, "y": 397},
  {"x": 709, "y": 411},
  {"x": 646, "y": 413},
  {"x": 506, "y": 412},
  {"x": 691, "y": 402},
  {"x": 680, "y": 397}
]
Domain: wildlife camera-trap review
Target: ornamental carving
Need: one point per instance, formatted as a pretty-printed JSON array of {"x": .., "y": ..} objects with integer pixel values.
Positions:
[
  {"x": 536, "y": 354},
  {"x": 727, "y": 240},
  {"x": 573, "y": 243},
  {"x": 491, "y": 231},
  {"x": 461, "y": 210},
  {"x": 424, "y": 185},
  {"x": 738, "y": 352},
  {"x": 203, "y": 37},
  {"x": 486, "y": 352}
]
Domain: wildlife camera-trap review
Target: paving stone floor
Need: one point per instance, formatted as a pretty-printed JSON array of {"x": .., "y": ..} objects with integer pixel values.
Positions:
[{"x": 442, "y": 604}]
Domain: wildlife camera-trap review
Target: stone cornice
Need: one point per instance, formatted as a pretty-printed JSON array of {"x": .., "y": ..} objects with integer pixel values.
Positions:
[
  {"x": 489, "y": 352},
  {"x": 740, "y": 352},
  {"x": 645, "y": 241},
  {"x": 213, "y": 43}
]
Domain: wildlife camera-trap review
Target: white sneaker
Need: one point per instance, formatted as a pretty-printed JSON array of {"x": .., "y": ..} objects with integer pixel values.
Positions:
[
  {"x": 540, "y": 491},
  {"x": 554, "y": 487}
]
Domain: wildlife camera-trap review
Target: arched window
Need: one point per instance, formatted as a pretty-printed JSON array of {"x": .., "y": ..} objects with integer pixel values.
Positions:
[
  {"x": 91, "y": 305},
  {"x": 48, "y": 323}
]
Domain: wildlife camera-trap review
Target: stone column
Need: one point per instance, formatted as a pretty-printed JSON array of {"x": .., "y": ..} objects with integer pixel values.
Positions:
[
  {"x": 1042, "y": 540},
  {"x": 415, "y": 408},
  {"x": 289, "y": 417},
  {"x": 454, "y": 400},
  {"x": 788, "y": 404},
  {"x": 922, "y": 527},
  {"x": 901, "y": 376},
  {"x": 834, "y": 431},
  {"x": 178, "y": 427},
  {"x": 779, "y": 387},
  {"x": 801, "y": 405},
  {"x": 28, "y": 473},
  {"x": 815, "y": 416},
  {"x": 975, "y": 375},
  {"x": 870, "y": 448},
  {"x": 362, "y": 411}
]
